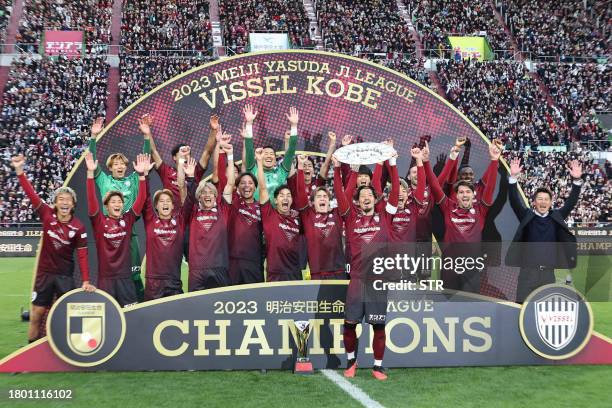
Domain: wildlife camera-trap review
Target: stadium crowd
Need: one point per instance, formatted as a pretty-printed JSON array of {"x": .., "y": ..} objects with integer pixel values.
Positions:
[
  {"x": 140, "y": 74},
  {"x": 48, "y": 105},
  {"x": 437, "y": 19},
  {"x": 561, "y": 29},
  {"x": 6, "y": 8},
  {"x": 504, "y": 101},
  {"x": 581, "y": 90},
  {"x": 241, "y": 17},
  {"x": 363, "y": 27},
  {"x": 163, "y": 25},
  {"x": 91, "y": 16}
]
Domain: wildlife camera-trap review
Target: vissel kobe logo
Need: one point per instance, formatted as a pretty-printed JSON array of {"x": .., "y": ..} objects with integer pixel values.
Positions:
[{"x": 556, "y": 317}]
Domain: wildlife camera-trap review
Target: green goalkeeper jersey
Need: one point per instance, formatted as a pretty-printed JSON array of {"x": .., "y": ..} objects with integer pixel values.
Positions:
[
  {"x": 274, "y": 177},
  {"x": 128, "y": 186}
]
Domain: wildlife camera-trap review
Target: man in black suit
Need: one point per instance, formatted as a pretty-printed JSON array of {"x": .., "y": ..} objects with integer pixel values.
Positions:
[{"x": 542, "y": 241}]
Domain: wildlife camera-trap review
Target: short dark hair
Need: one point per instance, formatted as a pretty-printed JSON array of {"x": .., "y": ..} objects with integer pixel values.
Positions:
[
  {"x": 463, "y": 183},
  {"x": 363, "y": 169},
  {"x": 465, "y": 166},
  {"x": 241, "y": 175},
  {"x": 279, "y": 189},
  {"x": 269, "y": 147},
  {"x": 176, "y": 148},
  {"x": 543, "y": 190},
  {"x": 111, "y": 194},
  {"x": 361, "y": 188},
  {"x": 320, "y": 188}
]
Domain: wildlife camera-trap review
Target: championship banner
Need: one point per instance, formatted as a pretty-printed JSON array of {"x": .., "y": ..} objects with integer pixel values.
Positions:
[
  {"x": 254, "y": 326},
  {"x": 261, "y": 325},
  {"x": 471, "y": 47},
  {"x": 67, "y": 43}
]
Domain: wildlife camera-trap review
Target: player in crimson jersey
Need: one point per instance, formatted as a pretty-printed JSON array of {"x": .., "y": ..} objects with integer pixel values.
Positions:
[
  {"x": 368, "y": 228},
  {"x": 172, "y": 177},
  {"x": 311, "y": 182},
  {"x": 282, "y": 229},
  {"x": 113, "y": 231},
  {"x": 165, "y": 228},
  {"x": 323, "y": 229},
  {"x": 62, "y": 234},
  {"x": 464, "y": 220},
  {"x": 208, "y": 249},
  {"x": 245, "y": 228}
]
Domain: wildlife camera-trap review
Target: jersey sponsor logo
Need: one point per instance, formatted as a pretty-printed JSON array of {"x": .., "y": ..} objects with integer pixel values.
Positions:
[
  {"x": 57, "y": 240},
  {"x": 290, "y": 231},
  {"x": 462, "y": 220},
  {"x": 248, "y": 216}
]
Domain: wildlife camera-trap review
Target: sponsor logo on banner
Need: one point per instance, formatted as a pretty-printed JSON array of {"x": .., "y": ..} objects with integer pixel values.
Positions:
[
  {"x": 68, "y": 43},
  {"x": 556, "y": 316},
  {"x": 556, "y": 321},
  {"x": 85, "y": 329}
]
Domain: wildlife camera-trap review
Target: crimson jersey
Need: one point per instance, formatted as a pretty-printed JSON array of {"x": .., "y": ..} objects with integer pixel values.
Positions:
[
  {"x": 244, "y": 234},
  {"x": 309, "y": 188},
  {"x": 365, "y": 235},
  {"x": 479, "y": 187},
  {"x": 282, "y": 235},
  {"x": 113, "y": 244},
  {"x": 165, "y": 241},
  {"x": 169, "y": 176},
  {"x": 324, "y": 240},
  {"x": 59, "y": 242},
  {"x": 208, "y": 237},
  {"x": 463, "y": 225}
]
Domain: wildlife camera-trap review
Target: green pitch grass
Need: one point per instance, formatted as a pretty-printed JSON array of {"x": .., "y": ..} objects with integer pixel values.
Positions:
[{"x": 586, "y": 386}]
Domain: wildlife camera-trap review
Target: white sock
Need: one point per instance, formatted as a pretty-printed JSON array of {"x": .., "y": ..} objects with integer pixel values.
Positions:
[
  {"x": 350, "y": 355},
  {"x": 378, "y": 363}
]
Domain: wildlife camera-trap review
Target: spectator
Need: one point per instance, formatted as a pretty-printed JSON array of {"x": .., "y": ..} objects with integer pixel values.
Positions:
[
  {"x": 47, "y": 106},
  {"x": 241, "y": 17},
  {"x": 559, "y": 28},
  {"x": 581, "y": 90},
  {"x": 91, "y": 16},
  {"x": 504, "y": 101},
  {"x": 162, "y": 25}
]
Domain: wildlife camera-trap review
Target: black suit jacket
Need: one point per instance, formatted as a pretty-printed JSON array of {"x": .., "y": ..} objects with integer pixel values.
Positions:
[{"x": 564, "y": 255}]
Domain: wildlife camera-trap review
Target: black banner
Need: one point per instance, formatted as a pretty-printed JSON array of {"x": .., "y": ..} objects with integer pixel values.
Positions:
[{"x": 19, "y": 241}]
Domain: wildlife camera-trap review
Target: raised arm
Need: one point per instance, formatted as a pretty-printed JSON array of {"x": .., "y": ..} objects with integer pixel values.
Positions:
[
  {"x": 249, "y": 147},
  {"x": 210, "y": 143},
  {"x": 491, "y": 174},
  {"x": 148, "y": 147},
  {"x": 96, "y": 129},
  {"x": 419, "y": 194},
  {"x": 344, "y": 167},
  {"x": 432, "y": 180},
  {"x": 301, "y": 200},
  {"x": 92, "y": 201},
  {"x": 324, "y": 170},
  {"x": 293, "y": 117},
  {"x": 465, "y": 160},
  {"x": 343, "y": 203},
  {"x": 395, "y": 184},
  {"x": 189, "y": 184},
  {"x": 377, "y": 178},
  {"x": 448, "y": 175},
  {"x": 517, "y": 204},
  {"x": 264, "y": 196},
  {"x": 228, "y": 188},
  {"x": 572, "y": 200},
  {"x": 18, "y": 162},
  {"x": 142, "y": 166}
]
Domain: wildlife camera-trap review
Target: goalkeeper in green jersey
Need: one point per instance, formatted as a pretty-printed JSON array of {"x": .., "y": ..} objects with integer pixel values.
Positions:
[
  {"x": 117, "y": 164},
  {"x": 275, "y": 175}
]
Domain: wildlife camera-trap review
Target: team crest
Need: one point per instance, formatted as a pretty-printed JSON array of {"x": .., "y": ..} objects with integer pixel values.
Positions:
[
  {"x": 556, "y": 317},
  {"x": 85, "y": 327},
  {"x": 71, "y": 234}
]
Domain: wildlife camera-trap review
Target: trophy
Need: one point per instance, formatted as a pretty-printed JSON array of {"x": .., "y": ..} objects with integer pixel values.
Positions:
[{"x": 302, "y": 363}]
